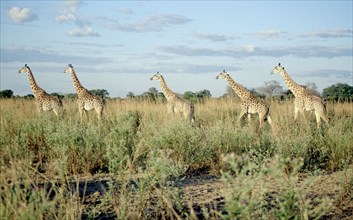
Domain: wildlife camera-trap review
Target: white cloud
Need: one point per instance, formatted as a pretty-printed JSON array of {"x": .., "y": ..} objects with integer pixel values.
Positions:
[
  {"x": 333, "y": 33},
  {"x": 329, "y": 33},
  {"x": 271, "y": 34},
  {"x": 22, "y": 15},
  {"x": 99, "y": 45},
  {"x": 69, "y": 13},
  {"x": 83, "y": 32},
  {"x": 34, "y": 55},
  {"x": 65, "y": 17},
  {"x": 251, "y": 50},
  {"x": 125, "y": 10},
  {"x": 152, "y": 23},
  {"x": 212, "y": 37},
  {"x": 324, "y": 73}
]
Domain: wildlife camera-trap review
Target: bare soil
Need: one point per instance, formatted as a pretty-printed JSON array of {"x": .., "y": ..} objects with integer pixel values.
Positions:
[{"x": 204, "y": 191}]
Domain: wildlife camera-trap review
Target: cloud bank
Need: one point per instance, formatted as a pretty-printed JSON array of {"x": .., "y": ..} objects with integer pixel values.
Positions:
[
  {"x": 83, "y": 32},
  {"x": 213, "y": 37},
  {"x": 334, "y": 33},
  {"x": 324, "y": 73},
  {"x": 154, "y": 23},
  {"x": 33, "y": 55},
  {"x": 251, "y": 50},
  {"x": 323, "y": 34}
]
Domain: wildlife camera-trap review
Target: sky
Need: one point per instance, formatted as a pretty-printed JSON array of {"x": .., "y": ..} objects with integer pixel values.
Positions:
[{"x": 119, "y": 45}]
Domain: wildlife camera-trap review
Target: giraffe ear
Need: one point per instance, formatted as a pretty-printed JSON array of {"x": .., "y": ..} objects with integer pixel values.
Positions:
[
  {"x": 279, "y": 64},
  {"x": 26, "y": 64}
]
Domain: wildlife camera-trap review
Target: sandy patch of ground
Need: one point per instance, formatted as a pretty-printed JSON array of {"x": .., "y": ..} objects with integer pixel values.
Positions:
[{"x": 206, "y": 192}]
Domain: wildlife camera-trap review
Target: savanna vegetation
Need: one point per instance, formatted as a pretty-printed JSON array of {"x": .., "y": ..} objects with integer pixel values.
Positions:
[{"x": 140, "y": 154}]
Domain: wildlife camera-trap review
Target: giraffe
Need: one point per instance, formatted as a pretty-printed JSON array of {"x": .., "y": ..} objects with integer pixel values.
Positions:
[
  {"x": 44, "y": 101},
  {"x": 86, "y": 101},
  {"x": 175, "y": 104},
  {"x": 250, "y": 104},
  {"x": 304, "y": 101}
]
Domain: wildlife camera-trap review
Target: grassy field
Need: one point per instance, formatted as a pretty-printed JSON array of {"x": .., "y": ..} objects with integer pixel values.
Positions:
[{"x": 143, "y": 152}]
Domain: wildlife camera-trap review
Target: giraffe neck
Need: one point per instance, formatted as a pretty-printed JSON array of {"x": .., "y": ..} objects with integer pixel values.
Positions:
[
  {"x": 293, "y": 86},
  {"x": 166, "y": 91},
  {"x": 34, "y": 87},
  {"x": 241, "y": 92},
  {"x": 78, "y": 87}
]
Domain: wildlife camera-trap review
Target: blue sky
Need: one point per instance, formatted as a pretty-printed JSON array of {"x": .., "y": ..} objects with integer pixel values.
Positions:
[{"x": 119, "y": 45}]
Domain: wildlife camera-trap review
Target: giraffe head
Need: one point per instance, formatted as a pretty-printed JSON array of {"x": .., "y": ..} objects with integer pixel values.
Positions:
[
  {"x": 277, "y": 69},
  {"x": 222, "y": 75},
  {"x": 69, "y": 69},
  {"x": 24, "y": 69},
  {"x": 156, "y": 76}
]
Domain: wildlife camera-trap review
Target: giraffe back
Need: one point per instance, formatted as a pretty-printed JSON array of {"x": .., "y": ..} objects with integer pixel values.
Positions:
[
  {"x": 255, "y": 105},
  {"x": 46, "y": 102},
  {"x": 88, "y": 101}
]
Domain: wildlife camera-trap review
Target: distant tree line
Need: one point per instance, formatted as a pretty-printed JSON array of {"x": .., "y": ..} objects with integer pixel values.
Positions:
[
  {"x": 338, "y": 92},
  {"x": 99, "y": 92},
  {"x": 153, "y": 95},
  {"x": 8, "y": 93},
  {"x": 272, "y": 89}
]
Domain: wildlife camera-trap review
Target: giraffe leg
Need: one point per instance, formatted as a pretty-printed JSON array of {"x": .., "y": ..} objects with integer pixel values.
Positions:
[
  {"x": 86, "y": 114},
  {"x": 249, "y": 119},
  {"x": 81, "y": 111},
  {"x": 241, "y": 117},
  {"x": 320, "y": 110},
  {"x": 269, "y": 119},
  {"x": 302, "y": 112},
  {"x": 325, "y": 118},
  {"x": 56, "y": 112},
  {"x": 192, "y": 113},
  {"x": 185, "y": 111},
  {"x": 321, "y": 115},
  {"x": 261, "y": 120},
  {"x": 296, "y": 111},
  {"x": 243, "y": 111},
  {"x": 324, "y": 115},
  {"x": 318, "y": 120},
  {"x": 40, "y": 110},
  {"x": 170, "y": 108},
  {"x": 186, "y": 115},
  {"x": 39, "y": 107},
  {"x": 99, "y": 113}
]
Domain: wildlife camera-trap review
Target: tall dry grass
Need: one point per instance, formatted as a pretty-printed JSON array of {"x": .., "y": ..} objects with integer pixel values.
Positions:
[{"x": 138, "y": 139}]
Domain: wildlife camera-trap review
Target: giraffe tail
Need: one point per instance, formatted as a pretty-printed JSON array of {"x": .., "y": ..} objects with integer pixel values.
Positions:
[
  {"x": 61, "y": 102},
  {"x": 192, "y": 112},
  {"x": 324, "y": 114}
]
